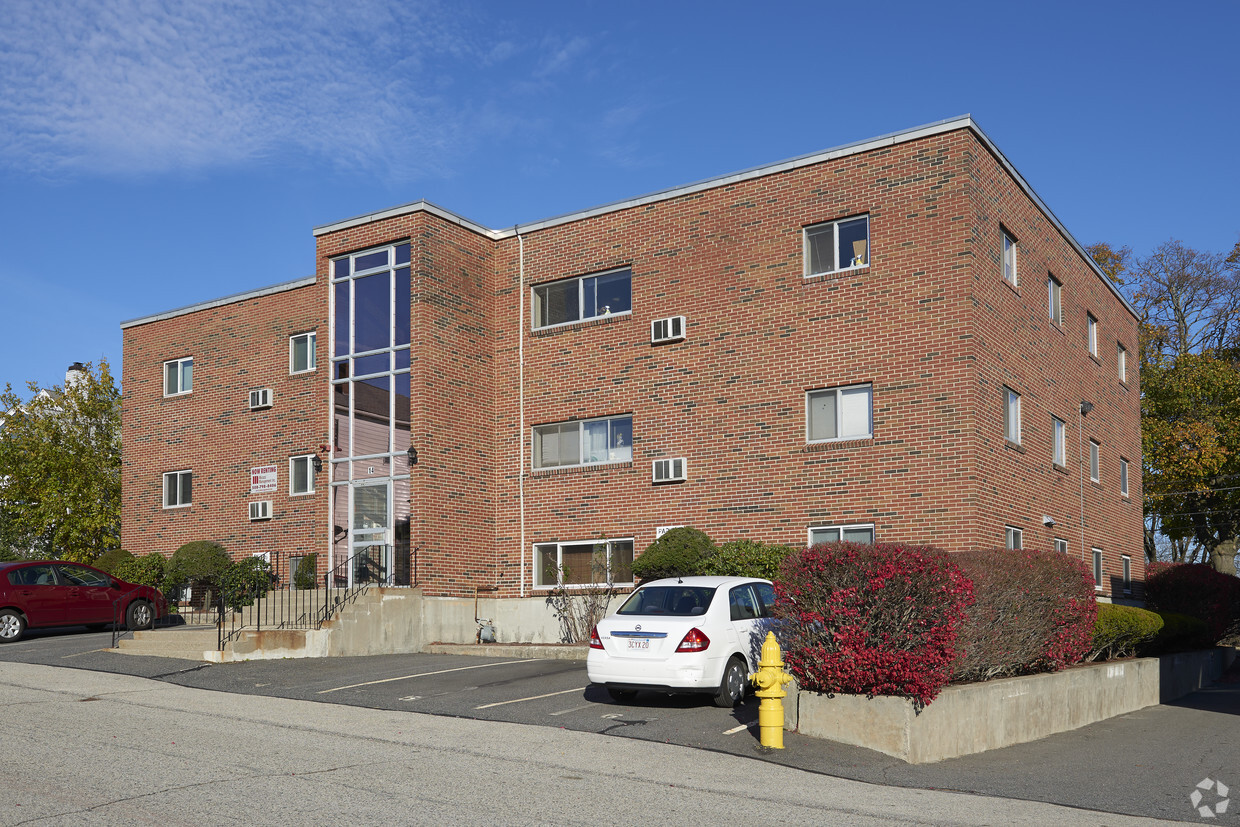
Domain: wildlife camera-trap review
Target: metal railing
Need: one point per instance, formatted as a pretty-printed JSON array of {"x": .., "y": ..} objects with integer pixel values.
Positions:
[{"x": 209, "y": 613}]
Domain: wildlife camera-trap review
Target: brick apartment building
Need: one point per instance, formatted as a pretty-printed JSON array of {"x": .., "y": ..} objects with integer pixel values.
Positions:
[{"x": 891, "y": 340}]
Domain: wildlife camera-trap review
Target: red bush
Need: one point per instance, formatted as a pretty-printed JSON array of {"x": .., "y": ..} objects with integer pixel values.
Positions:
[
  {"x": 1195, "y": 589},
  {"x": 874, "y": 620},
  {"x": 1032, "y": 612}
]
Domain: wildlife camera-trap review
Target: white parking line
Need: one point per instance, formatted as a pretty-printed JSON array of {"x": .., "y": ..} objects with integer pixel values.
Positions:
[
  {"x": 574, "y": 709},
  {"x": 531, "y": 698},
  {"x": 423, "y": 675},
  {"x": 736, "y": 729}
]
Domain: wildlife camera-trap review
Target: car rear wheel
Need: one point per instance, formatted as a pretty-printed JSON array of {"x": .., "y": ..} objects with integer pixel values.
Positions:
[
  {"x": 622, "y": 696},
  {"x": 12, "y": 626},
  {"x": 139, "y": 615},
  {"x": 732, "y": 688}
]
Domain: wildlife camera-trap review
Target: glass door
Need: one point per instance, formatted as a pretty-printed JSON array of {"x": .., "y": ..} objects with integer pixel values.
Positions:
[{"x": 370, "y": 542}]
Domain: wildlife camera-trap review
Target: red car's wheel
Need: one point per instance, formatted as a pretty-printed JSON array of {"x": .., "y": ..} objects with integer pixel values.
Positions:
[
  {"x": 12, "y": 626},
  {"x": 139, "y": 615}
]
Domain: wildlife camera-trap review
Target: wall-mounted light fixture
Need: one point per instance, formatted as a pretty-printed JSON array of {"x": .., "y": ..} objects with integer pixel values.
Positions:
[
  {"x": 1048, "y": 521},
  {"x": 413, "y": 455},
  {"x": 318, "y": 463},
  {"x": 1086, "y": 407}
]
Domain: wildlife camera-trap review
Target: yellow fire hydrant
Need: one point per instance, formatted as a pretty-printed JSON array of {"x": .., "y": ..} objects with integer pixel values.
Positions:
[{"x": 769, "y": 680}]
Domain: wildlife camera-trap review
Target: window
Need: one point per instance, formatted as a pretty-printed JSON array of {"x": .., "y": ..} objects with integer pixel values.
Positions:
[
  {"x": 1093, "y": 461},
  {"x": 837, "y": 245},
  {"x": 1059, "y": 442},
  {"x": 584, "y": 442},
  {"x": 1127, "y": 574},
  {"x": 1121, "y": 362},
  {"x": 1013, "y": 538},
  {"x": 583, "y": 563},
  {"x": 1009, "y": 259},
  {"x": 301, "y": 474},
  {"x": 1061, "y": 545},
  {"x": 178, "y": 488},
  {"x": 301, "y": 352},
  {"x": 861, "y": 533},
  {"x": 1054, "y": 290},
  {"x": 1011, "y": 416},
  {"x": 179, "y": 376},
  {"x": 583, "y": 298},
  {"x": 1123, "y": 477},
  {"x": 839, "y": 413},
  {"x": 1097, "y": 569},
  {"x": 1092, "y": 325}
]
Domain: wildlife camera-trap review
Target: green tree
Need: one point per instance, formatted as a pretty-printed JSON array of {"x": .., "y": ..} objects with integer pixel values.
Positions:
[{"x": 60, "y": 463}]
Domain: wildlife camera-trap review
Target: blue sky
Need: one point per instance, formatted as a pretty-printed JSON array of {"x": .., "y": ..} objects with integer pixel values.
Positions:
[{"x": 154, "y": 154}]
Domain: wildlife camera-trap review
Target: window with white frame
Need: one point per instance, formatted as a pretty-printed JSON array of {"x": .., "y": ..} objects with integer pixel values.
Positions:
[
  {"x": 583, "y": 563},
  {"x": 1097, "y": 569},
  {"x": 583, "y": 442},
  {"x": 1059, "y": 442},
  {"x": 1123, "y": 477},
  {"x": 1054, "y": 292},
  {"x": 301, "y": 474},
  {"x": 178, "y": 489},
  {"x": 1011, "y": 416},
  {"x": 582, "y": 298},
  {"x": 837, "y": 245},
  {"x": 839, "y": 413},
  {"x": 1127, "y": 561},
  {"x": 856, "y": 533},
  {"x": 301, "y": 352},
  {"x": 1061, "y": 545},
  {"x": 179, "y": 376},
  {"x": 1091, "y": 325},
  {"x": 1013, "y": 537},
  {"x": 1009, "y": 259},
  {"x": 1094, "y": 472},
  {"x": 1121, "y": 362}
]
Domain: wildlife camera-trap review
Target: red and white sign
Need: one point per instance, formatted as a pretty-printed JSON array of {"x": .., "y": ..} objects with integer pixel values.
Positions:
[{"x": 263, "y": 479}]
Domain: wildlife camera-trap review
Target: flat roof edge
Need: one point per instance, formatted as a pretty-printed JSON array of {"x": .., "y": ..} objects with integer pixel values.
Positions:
[
  {"x": 421, "y": 205},
  {"x": 220, "y": 302}
]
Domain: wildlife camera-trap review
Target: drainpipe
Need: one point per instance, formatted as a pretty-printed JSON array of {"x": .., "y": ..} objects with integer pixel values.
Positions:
[
  {"x": 521, "y": 398},
  {"x": 1085, "y": 408}
]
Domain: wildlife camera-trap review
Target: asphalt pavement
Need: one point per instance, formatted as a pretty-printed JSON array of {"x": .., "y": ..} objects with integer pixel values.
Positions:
[{"x": 1146, "y": 763}]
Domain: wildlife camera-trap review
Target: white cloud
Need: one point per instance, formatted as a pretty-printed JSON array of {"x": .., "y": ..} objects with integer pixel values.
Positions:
[{"x": 144, "y": 86}]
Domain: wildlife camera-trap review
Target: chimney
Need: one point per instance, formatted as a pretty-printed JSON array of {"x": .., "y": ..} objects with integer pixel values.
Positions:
[{"x": 75, "y": 374}]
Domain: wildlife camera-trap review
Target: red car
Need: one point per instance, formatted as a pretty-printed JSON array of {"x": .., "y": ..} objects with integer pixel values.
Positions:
[{"x": 37, "y": 593}]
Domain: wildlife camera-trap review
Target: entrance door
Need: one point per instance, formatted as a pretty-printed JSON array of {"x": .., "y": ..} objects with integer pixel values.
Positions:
[{"x": 370, "y": 541}]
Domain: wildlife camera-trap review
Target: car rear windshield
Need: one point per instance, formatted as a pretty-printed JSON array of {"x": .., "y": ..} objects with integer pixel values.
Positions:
[{"x": 679, "y": 601}]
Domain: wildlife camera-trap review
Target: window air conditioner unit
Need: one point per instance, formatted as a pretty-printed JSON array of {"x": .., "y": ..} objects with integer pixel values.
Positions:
[
  {"x": 260, "y": 510},
  {"x": 671, "y": 329},
  {"x": 669, "y": 470},
  {"x": 260, "y": 398}
]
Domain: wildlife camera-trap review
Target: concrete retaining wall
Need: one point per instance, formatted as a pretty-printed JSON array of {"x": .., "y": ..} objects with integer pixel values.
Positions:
[{"x": 969, "y": 718}]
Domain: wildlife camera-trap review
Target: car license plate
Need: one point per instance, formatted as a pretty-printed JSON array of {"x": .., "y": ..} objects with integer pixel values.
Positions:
[{"x": 638, "y": 643}]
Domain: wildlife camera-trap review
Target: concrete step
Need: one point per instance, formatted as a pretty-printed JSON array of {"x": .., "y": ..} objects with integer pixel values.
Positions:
[{"x": 187, "y": 644}]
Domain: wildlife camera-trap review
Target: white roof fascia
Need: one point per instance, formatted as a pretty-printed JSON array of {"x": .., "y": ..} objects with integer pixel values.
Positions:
[
  {"x": 406, "y": 209},
  {"x": 207, "y": 305}
]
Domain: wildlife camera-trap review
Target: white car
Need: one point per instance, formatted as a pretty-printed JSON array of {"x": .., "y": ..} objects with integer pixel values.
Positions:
[{"x": 686, "y": 634}]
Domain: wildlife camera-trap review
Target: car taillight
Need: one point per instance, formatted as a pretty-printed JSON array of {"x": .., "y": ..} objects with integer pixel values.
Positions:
[
  {"x": 595, "y": 643},
  {"x": 694, "y": 641}
]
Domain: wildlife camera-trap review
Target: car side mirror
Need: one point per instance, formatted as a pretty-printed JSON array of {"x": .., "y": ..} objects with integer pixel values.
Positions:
[{"x": 116, "y": 584}]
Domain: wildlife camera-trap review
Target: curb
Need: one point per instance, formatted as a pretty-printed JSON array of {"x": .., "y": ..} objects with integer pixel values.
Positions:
[{"x": 534, "y": 651}]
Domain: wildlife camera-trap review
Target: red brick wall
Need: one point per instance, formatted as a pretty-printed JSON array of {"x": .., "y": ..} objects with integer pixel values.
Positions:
[{"x": 236, "y": 347}]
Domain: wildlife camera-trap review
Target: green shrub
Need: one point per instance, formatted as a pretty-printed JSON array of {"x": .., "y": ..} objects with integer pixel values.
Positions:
[
  {"x": 201, "y": 562},
  {"x": 677, "y": 553},
  {"x": 109, "y": 560},
  {"x": 745, "y": 558},
  {"x": 306, "y": 576},
  {"x": 147, "y": 570},
  {"x": 1179, "y": 633},
  {"x": 1197, "y": 590},
  {"x": 244, "y": 580},
  {"x": 1123, "y": 631}
]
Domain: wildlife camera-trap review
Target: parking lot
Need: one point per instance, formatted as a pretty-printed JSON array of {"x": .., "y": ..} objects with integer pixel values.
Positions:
[{"x": 1143, "y": 763}]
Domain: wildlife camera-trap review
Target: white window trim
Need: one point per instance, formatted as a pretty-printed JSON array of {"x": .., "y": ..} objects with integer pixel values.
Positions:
[
  {"x": 580, "y": 423},
  {"x": 838, "y": 391},
  {"x": 559, "y": 556},
  {"x": 1127, "y": 564},
  {"x": 1091, "y": 326},
  {"x": 163, "y": 377},
  {"x": 1121, "y": 362},
  {"x": 1007, "y": 242},
  {"x": 1097, "y": 568},
  {"x": 1054, "y": 291},
  {"x": 1060, "y": 545},
  {"x": 309, "y": 458},
  {"x": 1123, "y": 477},
  {"x": 1095, "y": 461},
  {"x": 1059, "y": 442},
  {"x": 1013, "y": 538},
  {"x": 841, "y": 528},
  {"x": 312, "y": 352},
  {"x": 163, "y": 492},
  {"x": 835, "y": 244},
  {"x": 1008, "y": 396},
  {"x": 580, "y": 280}
]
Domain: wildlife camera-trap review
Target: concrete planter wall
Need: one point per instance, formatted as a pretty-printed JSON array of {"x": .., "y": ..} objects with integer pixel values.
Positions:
[{"x": 976, "y": 717}]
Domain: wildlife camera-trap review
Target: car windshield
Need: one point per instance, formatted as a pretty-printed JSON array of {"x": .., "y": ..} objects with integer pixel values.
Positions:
[{"x": 678, "y": 601}]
